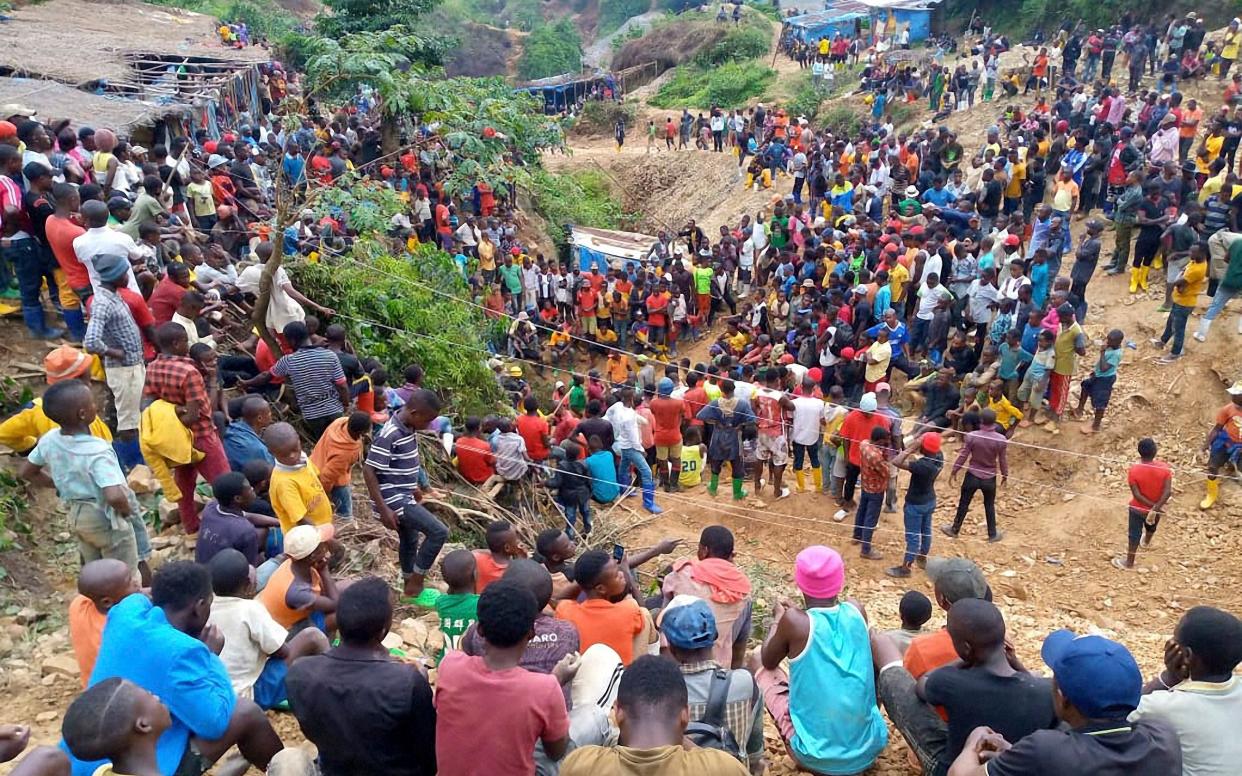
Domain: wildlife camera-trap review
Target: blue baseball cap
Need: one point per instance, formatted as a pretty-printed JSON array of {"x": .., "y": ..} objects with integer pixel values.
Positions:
[
  {"x": 690, "y": 625},
  {"x": 1098, "y": 676},
  {"x": 664, "y": 387}
]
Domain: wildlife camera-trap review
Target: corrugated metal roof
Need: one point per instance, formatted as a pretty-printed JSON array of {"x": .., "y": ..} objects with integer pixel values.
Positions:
[
  {"x": 842, "y": 10},
  {"x": 901, "y": 5}
]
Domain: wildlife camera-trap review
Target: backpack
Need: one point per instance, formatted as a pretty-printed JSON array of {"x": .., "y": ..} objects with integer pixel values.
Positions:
[
  {"x": 710, "y": 731},
  {"x": 808, "y": 353}
]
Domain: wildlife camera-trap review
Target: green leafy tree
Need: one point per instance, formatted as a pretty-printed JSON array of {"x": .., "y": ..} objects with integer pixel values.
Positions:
[
  {"x": 551, "y": 49},
  {"x": 350, "y": 16}
]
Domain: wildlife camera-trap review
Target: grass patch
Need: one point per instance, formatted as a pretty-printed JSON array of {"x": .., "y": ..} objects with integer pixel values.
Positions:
[
  {"x": 738, "y": 44},
  {"x": 580, "y": 197},
  {"x": 551, "y": 49},
  {"x": 602, "y": 115},
  {"x": 730, "y": 85}
]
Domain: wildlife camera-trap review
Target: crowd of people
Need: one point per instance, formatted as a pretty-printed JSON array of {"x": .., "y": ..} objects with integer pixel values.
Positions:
[{"x": 909, "y": 295}]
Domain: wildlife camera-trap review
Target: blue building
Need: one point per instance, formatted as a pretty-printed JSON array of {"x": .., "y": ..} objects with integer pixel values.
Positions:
[
  {"x": 847, "y": 17},
  {"x": 890, "y": 17}
]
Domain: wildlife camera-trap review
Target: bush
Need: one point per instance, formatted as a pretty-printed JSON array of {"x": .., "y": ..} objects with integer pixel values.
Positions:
[
  {"x": 729, "y": 86},
  {"x": 551, "y": 49},
  {"x": 614, "y": 13},
  {"x": 602, "y": 115},
  {"x": 841, "y": 120},
  {"x": 738, "y": 44},
  {"x": 581, "y": 197},
  {"x": 806, "y": 101}
]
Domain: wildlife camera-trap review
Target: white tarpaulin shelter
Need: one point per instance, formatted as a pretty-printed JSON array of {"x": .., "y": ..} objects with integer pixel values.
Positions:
[{"x": 609, "y": 247}]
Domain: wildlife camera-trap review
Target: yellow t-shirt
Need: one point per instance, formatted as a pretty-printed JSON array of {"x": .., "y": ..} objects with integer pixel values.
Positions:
[
  {"x": 1229, "y": 44},
  {"x": 1006, "y": 413},
  {"x": 296, "y": 495},
  {"x": 1195, "y": 277},
  {"x": 883, "y": 353},
  {"x": 691, "y": 466},
  {"x": 1212, "y": 144},
  {"x": 897, "y": 278},
  {"x": 1016, "y": 179}
]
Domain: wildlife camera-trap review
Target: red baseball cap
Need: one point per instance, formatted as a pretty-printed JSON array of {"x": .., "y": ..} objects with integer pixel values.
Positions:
[{"x": 931, "y": 442}]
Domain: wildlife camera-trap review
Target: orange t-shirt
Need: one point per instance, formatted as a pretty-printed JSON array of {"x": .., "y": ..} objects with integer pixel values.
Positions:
[
  {"x": 1230, "y": 418},
  {"x": 86, "y": 624},
  {"x": 335, "y": 454},
  {"x": 927, "y": 653},
  {"x": 603, "y": 622},
  {"x": 487, "y": 570},
  {"x": 533, "y": 429}
]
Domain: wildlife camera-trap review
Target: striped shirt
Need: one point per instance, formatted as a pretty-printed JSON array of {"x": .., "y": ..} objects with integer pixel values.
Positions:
[
  {"x": 314, "y": 373},
  {"x": 394, "y": 457},
  {"x": 112, "y": 326}
]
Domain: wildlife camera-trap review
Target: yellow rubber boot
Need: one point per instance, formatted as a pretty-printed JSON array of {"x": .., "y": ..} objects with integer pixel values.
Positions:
[
  {"x": 1143, "y": 272},
  {"x": 1158, "y": 262},
  {"x": 1134, "y": 276},
  {"x": 800, "y": 476},
  {"x": 1213, "y": 491},
  {"x": 817, "y": 477}
]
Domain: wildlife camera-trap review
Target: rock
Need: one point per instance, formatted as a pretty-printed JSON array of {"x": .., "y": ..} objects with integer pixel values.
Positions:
[
  {"x": 15, "y": 631},
  {"x": 28, "y": 616},
  {"x": 6, "y": 646},
  {"x": 63, "y": 536},
  {"x": 163, "y": 542},
  {"x": 413, "y": 632},
  {"x": 48, "y": 680},
  {"x": 168, "y": 512},
  {"x": 66, "y": 665},
  {"x": 392, "y": 641},
  {"x": 141, "y": 480},
  {"x": 46, "y": 716}
]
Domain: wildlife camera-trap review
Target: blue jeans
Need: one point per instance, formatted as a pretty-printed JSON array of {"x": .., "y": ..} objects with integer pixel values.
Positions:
[
  {"x": 627, "y": 457},
  {"x": 1175, "y": 326},
  {"x": 32, "y": 266},
  {"x": 867, "y": 517},
  {"x": 918, "y": 334},
  {"x": 572, "y": 512},
  {"x": 800, "y": 452},
  {"x": 342, "y": 498},
  {"x": 1219, "y": 300},
  {"x": 918, "y": 530}
]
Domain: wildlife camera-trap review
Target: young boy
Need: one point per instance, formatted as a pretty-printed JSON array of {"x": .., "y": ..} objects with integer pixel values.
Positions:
[
  {"x": 475, "y": 460},
  {"x": 87, "y": 476},
  {"x": 607, "y": 615},
  {"x": 1035, "y": 382},
  {"x": 1007, "y": 415},
  {"x": 512, "y": 460},
  {"x": 502, "y": 546},
  {"x": 1009, "y": 356},
  {"x": 296, "y": 493},
  {"x": 915, "y": 610},
  {"x": 693, "y": 455},
  {"x": 257, "y": 650},
  {"x": 1151, "y": 486},
  {"x": 457, "y": 608},
  {"x": 334, "y": 457},
  {"x": 603, "y": 468},
  {"x": 1099, "y": 385},
  {"x": 556, "y": 548},
  {"x": 572, "y": 482},
  {"x": 116, "y": 720},
  {"x": 225, "y": 523},
  {"x": 101, "y": 585}
]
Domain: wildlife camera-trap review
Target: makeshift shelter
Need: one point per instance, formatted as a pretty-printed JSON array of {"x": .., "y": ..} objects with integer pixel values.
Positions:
[
  {"x": 560, "y": 92},
  {"x": 847, "y": 17},
  {"x": 888, "y": 17},
  {"x": 170, "y": 75},
  {"x": 609, "y": 248}
]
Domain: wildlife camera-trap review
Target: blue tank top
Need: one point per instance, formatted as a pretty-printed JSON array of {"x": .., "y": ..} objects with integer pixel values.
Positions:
[{"x": 838, "y": 728}]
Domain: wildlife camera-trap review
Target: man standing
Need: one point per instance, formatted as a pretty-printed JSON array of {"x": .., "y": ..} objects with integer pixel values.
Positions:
[
  {"x": 1224, "y": 442},
  {"x": 985, "y": 449},
  {"x": 175, "y": 378},
  {"x": 1067, "y": 347},
  {"x": 920, "y": 498},
  {"x": 393, "y": 472},
  {"x": 1151, "y": 486},
  {"x": 874, "y": 475},
  {"x": 771, "y": 405},
  {"x": 113, "y": 334},
  {"x": 667, "y": 413},
  {"x": 628, "y": 446},
  {"x": 1085, "y": 260}
]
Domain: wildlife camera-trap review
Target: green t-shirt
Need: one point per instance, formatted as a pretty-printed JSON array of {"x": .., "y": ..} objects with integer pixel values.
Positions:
[
  {"x": 457, "y": 611},
  {"x": 512, "y": 276},
  {"x": 577, "y": 399},
  {"x": 703, "y": 280},
  {"x": 780, "y": 237},
  {"x": 1233, "y": 270}
]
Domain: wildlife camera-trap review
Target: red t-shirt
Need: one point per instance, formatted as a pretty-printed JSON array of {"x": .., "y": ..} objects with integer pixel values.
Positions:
[
  {"x": 588, "y": 301},
  {"x": 264, "y": 360},
  {"x": 657, "y": 305},
  {"x": 165, "y": 298},
  {"x": 142, "y": 316},
  {"x": 486, "y": 571},
  {"x": 60, "y": 235},
  {"x": 668, "y": 414},
  {"x": 1150, "y": 479},
  {"x": 695, "y": 399},
  {"x": 475, "y": 459},
  {"x": 533, "y": 429},
  {"x": 488, "y": 721},
  {"x": 857, "y": 429}
]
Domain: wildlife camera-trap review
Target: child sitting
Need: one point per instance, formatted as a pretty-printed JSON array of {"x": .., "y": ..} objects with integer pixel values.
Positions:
[
  {"x": 572, "y": 482},
  {"x": 257, "y": 650},
  {"x": 457, "y": 608},
  {"x": 915, "y": 610},
  {"x": 87, "y": 476},
  {"x": 225, "y": 523},
  {"x": 512, "y": 460},
  {"x": 475, "y": 460},
  {"x": 101, "y": 584},
  {"x": 118, "y": 721},
  {"x": 502, "y": 545},
  {"x": 693, "y": 454}
]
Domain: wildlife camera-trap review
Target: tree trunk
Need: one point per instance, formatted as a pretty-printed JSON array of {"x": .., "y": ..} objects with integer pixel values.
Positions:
[
  {"x": 259, "y": 318},
  {"x": 390, "y": 135}
]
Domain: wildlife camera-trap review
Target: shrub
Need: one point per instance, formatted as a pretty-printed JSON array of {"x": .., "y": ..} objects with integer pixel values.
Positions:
[
  {"x": 841, "y": 119},
  {"x": 738, "y": 44},
  {"x": 729, "y": 85},
  {"x": 580, "y": 197},
  {"x": 806, "y": 101},
  {"x": 614, "y": 13},
  {"x": 551, "y": 49},
  {"x": 602, "y": 115}
]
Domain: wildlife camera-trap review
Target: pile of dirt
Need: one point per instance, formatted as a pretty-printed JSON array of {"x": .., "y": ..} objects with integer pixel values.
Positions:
[{"x": 669, "y": 45}]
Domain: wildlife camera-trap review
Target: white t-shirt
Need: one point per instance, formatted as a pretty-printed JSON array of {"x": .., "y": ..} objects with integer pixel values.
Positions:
[
  {"x": 102, "y": 241},
  {"x": 747, "y": 258},
  {"x": 933, "y": 264},
  {"x": 808, "y": 418},
  {"x": 759, "y": 236},
  {"x": 798, "y": 371},
  {"x": 1009, "y": 286},
  {"x": 928, "y": 299},
  {"x": 282, "y": 309},
  {"x": 743, "y": 391},
  {"x": 250, "y": 636},
  {"x": 625, "y": 422},
  {"x": 1205, "y": 716}
]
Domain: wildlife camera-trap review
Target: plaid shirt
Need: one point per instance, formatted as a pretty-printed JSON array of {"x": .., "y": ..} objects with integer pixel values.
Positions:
[
  {"x": 874, "y": 468},
  {"x": 743, "y": 713},
  {"x": 112, "y": 326},
  {"x": 176, "y": 380}
]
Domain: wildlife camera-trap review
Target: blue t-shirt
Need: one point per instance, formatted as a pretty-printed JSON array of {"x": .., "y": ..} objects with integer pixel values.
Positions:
[
  {"x": 1039, "y": 283},
  {"x": 1112, "y": 360},
  {"x": 603, "y": 476},
  {"x": 938, "y": 198},
  {"x": 80, "y": 465},
  {"x": 140, "y": 645},
  {"x": 1030, "y": 340},
  {"x": 1010, "y": 357},
  {"x": 883, "y": 301}
]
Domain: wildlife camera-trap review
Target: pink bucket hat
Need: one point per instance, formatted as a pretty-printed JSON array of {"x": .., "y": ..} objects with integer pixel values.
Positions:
[{"x": 819, "y": 572}]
